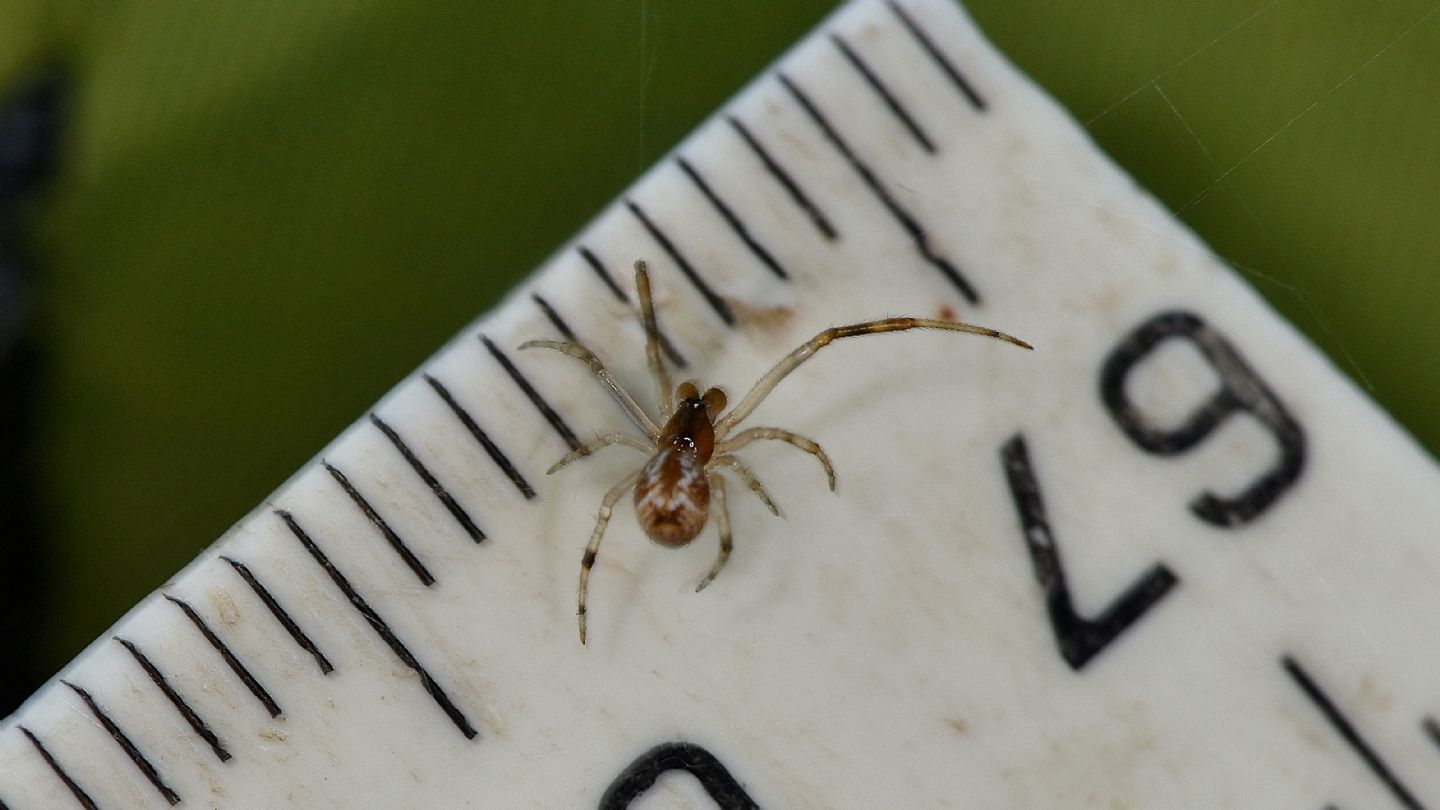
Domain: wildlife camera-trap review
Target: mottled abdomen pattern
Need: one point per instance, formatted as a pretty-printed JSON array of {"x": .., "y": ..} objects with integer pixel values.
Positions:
[{"x": 672, "y": 497}]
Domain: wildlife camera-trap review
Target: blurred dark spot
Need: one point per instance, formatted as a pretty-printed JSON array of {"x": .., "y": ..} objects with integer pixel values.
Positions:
[{"x": 30, "y": 117}]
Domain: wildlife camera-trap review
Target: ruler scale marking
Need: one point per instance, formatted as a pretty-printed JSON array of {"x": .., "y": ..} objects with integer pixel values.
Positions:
[
  {"x": 486, "y": 443},
  {"x": 147, "y": 769},
  {"x": 392, "y": 538},
  {"x": 381, "y": 627},
  {"x": 75, "y": 789},
  {"x": 199, "y": 726},
  {"x": 732, "y": 219},
  {"x": 785, "y": 179},
  {"x": 554, "y": 318},
  {"x": 441, "y": 492},
  {"x": 231, "y": 660},
  {"x": 927, "y": 45},
  {"x": 596, "y": 265},
  {"x": 599, "y": 268},
  {"x": 887, "y": 96},
  {"x": 549, "y": 413},
  {"x": 906, "y": 220},
  {"x": 1347, "y": 731},
  {"x": 716, "y": 303},
  {"x": 281, "y": 615},
  {"x": 1431, "y": 727}
]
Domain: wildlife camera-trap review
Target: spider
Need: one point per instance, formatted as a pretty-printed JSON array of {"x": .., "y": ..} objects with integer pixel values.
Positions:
[{"x": 693, "y": 440}]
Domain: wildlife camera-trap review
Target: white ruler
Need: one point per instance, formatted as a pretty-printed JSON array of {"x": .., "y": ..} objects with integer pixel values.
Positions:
[{"x": 1171, "y": 558}]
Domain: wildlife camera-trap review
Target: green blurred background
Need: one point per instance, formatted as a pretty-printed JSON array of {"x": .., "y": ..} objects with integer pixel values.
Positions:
[{"x": 266, "y": 213}]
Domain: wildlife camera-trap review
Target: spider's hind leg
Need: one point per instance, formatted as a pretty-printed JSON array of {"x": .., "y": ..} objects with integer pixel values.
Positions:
[
  {"x": 722, "y": 521},
  {"x": 795, "y": 440},
  {"x": 743, "y": 471},
  {"x": 593, "y": 547}
]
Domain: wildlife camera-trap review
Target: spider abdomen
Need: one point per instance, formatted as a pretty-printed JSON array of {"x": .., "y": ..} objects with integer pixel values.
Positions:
[{"x": 672, "y": 497}]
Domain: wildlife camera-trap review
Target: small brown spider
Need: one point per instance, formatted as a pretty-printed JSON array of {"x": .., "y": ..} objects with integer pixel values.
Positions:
[{"x": 675, "y": 488}]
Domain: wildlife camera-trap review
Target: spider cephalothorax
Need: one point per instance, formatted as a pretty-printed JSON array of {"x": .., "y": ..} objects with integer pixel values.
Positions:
[{"x": 675, "y": 490}]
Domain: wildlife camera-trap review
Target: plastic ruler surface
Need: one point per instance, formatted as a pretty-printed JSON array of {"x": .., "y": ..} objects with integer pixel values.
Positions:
[{"x": 1170, "y": 558}]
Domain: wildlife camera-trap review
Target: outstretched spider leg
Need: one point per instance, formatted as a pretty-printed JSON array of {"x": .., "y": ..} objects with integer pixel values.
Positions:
[
  {"x": 806, "y": 350},
  {"x": 587, "y": 562},
  {"x": 722, "y": 521}
]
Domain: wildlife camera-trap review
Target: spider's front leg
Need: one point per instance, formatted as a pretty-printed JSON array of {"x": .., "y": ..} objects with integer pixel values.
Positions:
[
  {"x": 652, "y": 339},
  {"x": 722, "y": 521},
  {"x": 599, "y": 443},
  {"x": 622, "y": 397},
  {"x": 593, "y": 548},
  {"x": 807, "y": 350}
]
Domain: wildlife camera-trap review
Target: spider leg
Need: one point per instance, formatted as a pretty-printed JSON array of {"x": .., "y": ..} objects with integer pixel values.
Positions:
[
  {"x": 598, "y": 443},
  {"x": 749, "y": 435},
  {"x": 626, "y": 402},
  {"x": 722, "y": 520},
  {"x": 652, "y": 339},
  {"x": 588, "y": 561},
  {"x": 743, "y": 471},
  {"x": 806, "y": 350}
]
